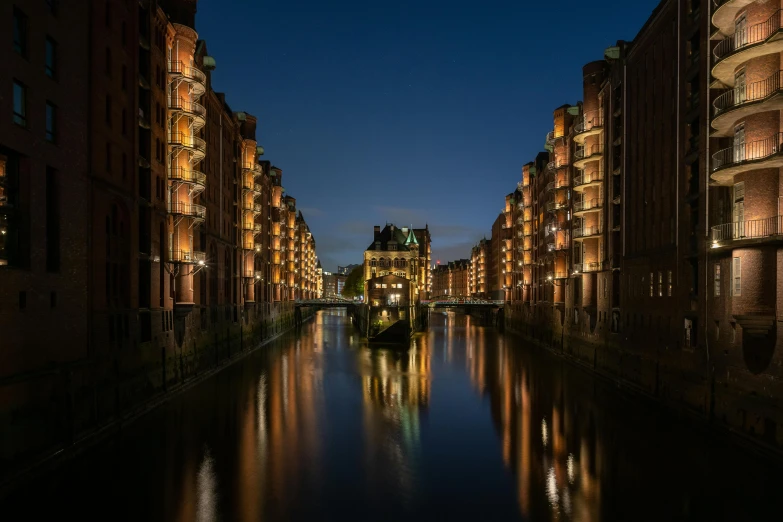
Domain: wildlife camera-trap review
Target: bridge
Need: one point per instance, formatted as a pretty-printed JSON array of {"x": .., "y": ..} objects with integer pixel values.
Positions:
[
  {"x": 452, "y": 302},
  {"x": 331, "y": 302}
]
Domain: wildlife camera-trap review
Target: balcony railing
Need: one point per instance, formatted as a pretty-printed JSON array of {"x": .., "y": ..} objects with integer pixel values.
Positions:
[
  {"x": 752, "y": 35},
  {"x": 586, "y": 179},
  {"x": 551, "y": 166},
  {"x": 587, "y": 267},
  {"x": 188, "y": 141},
  {"x": 187, "y": 256},
  {"x": 178, "y": 68},
  {"x": 252, "y": 187},
  {"x": 592, "y": 119},
  {"x": 184, "y": 175},
  {"x": 586, "y": 152},
  {"x": 556, "y": 275},
  {"x": 187, "y": 209},
  {"x": 191, "y": 108},
  {"x": 587, "y": 204},
  {"x": 554, "y": 206},
  {"x": 750, "y": 229},
  {"x": 550, "y": 137},
  {"x": 753, "y": 92},
  {"x": 751, "y": 151},
  {"x": 582, "y": 232}
]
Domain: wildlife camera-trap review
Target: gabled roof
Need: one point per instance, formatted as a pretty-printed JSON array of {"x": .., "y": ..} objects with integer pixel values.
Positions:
[{"x": 391, "y": 234}]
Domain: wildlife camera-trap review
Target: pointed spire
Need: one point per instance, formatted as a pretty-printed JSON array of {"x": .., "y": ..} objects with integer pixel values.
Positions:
[{"x": 411, "y": 238}]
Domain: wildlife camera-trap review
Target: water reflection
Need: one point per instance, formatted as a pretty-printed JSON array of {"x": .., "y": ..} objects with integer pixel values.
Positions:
[{"x": 466, "y": 425}]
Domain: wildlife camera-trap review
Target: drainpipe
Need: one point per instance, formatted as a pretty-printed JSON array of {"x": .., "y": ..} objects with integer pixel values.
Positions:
[{"x": 710, "y": 369}]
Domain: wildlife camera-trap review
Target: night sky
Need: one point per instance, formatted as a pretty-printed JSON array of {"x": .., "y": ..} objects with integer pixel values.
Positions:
[{"x": 408, "y": 112}]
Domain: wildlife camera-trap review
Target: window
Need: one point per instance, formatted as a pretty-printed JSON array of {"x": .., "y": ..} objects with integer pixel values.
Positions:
[
  {"x": 652, "y": 284},
  {"x": 716, "y": 279},
  {"x": 51, "y": 122},
  {"x": 20, "y": 104},
  {"x": 717, "y": 330},
  {"x": 123, "y": 34},
  {"x": 51, "y": 57},
  {"x": 669, "y": 273},
  {"x": 736, "y": 276},
  {"x": 660, "y": 284},
  {"x": 108, "y": 157},
  {"x": 52, "y": 221},
  {"x": 20, "y": 32}
]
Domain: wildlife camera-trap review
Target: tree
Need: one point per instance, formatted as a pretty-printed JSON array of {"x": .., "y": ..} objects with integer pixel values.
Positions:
[{"x": 354, "y": 283}]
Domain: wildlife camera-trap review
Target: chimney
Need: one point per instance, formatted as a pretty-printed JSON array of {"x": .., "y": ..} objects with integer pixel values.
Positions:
[{"x": 377, "y": 231}]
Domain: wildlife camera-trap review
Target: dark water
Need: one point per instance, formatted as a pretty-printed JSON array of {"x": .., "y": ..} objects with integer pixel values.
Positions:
[{"x": 467, "y": 425}]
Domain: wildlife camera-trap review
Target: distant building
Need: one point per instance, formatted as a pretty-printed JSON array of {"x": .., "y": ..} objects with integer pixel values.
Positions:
[
  {"x": 451, "y": 279},
  {"x": 394, "y": 251},
  {"x": 345, "y": 270},
  {"x": 479, "y": 259}
]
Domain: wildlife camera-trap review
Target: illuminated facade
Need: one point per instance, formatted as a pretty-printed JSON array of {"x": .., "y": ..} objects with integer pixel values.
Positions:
[
  {"x": 477, "y": 272},
  {"x": 396, "y": 252},
  {"x": 451, "y": 279}
]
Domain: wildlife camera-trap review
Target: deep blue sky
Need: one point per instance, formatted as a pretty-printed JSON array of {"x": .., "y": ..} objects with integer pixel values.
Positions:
[{"x": 409, "y": 112}]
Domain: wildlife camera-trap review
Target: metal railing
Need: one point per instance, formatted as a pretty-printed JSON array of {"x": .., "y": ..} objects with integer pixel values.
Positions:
[
  {"x": 585, "y": 152},
  {"x": 586, "y": 179},
  {"x": 590, "y": 120},
  {"x": 187, "y": 256},
  {"x": 587, "y": 204},
  {"x": 179, "y": 68},
  {"x": 556, "y": 185},
  {"x": 754, "y": 150},
  {"x": 554, "y": 206},
  {"x": 551, "y": 166},
  {"x": 188, "y": 141},
  {"x": 550, "y": 137},
  {"x": 581, "y": 232},
  {"x": 254, "y": 187},
  {"x": 556, "y": 275},
  {"x": 587, "y": 267},
  {"x": 752, "y": 35},
  {"x": 750, "y": 229},
  {"x": 753, "y": 92},
  {"x": 187, "y": 176},
  {"x": 194, "y": 109},
  {"x": 187, "y": 209}
]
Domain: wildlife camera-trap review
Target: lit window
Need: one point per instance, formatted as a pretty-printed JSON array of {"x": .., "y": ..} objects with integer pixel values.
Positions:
[
  {"x": 669, "y": 274},
  {"x": 736, "y": 275},
  {"x": 660, "y": 284},
  {"x": 652, "y": 284},
  {"x": 20, "y": 104},
  {"x": 716, "y": 279}
]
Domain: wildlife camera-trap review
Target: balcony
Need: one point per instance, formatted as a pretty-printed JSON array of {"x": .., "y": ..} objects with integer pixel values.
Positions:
[
  {"x": 556, "y": 185},
  {"x": 197, "y": 180},
  {"x": 522, "y": 186},
  {"x": 587, "y": 205},
  {"x": 556, "y": 275},
  {"x": 761, "y": 154},
  {"x": 187, "y": 257},
  {"x": 193, "y": 110},
  {"x": 585, "y": 155},
  {"x": 191, "y": 210},
  {"x": 550, "y": 138},
  {"x": 196, "y": 79},
  {"x": 255, "y": 188},
  {"x": 554, "y": 206},
  {"x": 753, "y": 231},
  {"x": 583, "y": 181},
  {"x": 590, "y": 124},
  {"x": 256, "y": 170},
  {"x": 257, "y": 275},
  {"x": 751, "y": 42},
  {"x": 736, "y": 104},
  {"x": 193, "y": 144},
  {"x": 144, "y": 122},
  {"x": 587, "y": 267},
  {"x": 725, "y": 12},
  {"x": 581, "y": 233}
]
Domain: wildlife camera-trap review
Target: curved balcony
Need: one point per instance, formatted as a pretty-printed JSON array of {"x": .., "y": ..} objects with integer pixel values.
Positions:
[
  {"x": 556, "y": 275},
  {"x": 193, "y": 144},
  {"x": 736, "y": 104},
  {"x": 187, "y": 257},
  {"x": 194, "y": 110},
  {"x": 189, "y": 176},
  {"x": 522, "y": 186},
  {"x": 587, "y": 205},
  {"x": 751, "y": 42},
  {"x": 554, "y": 206},
  {"x": 556, "y": 185},
  {"x": 550, "y": 138},
  {"x": 581, "y": 233},
  {"x": 725, "y": 12},
  {"x": 590, "y": 124},
  {"x": 195, "y": 78},
  {"x": 583, "y": 181},
  {"x": 752, "y": 231},
  {"x": 256, "y": 169},
  {"x": 191, "y": 210},
  {"x": 256, "y": 275},
  {"x": 587, "y": 267},
  {"x": 249, "y": 186},
  {"x": 761, "y": 154},
  {"x": 144, "y": 123},
  {"x": 585, "y": 155}
]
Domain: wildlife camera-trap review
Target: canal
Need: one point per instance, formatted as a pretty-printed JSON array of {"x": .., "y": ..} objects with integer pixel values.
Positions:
[{"x": 468, "y": 424}]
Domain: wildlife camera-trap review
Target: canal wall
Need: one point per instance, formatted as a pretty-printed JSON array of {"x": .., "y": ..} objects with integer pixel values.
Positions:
[
  {"x": 656, "y": 366},
  {"x": 375, "y": 321},
  {"x": 59, "y": 413}
]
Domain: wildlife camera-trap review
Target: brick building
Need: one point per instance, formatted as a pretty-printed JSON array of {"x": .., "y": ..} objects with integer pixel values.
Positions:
[
  {"x": 138, "y": 218},
  {"x": 451, "y": 279},
  {"x": 397, "y": 251}
]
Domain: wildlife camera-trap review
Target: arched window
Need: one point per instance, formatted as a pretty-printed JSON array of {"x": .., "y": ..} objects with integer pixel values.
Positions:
[{"x": 373, "y": 262}]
